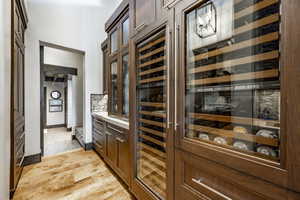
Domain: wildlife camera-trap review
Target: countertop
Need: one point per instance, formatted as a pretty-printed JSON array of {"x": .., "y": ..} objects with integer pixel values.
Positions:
[{"x": 118, "y": 122}]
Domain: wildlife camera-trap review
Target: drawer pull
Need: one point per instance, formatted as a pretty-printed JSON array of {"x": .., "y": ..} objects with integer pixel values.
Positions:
[
  {"x": 120, "y": 140},
  {"x": 199, "y": 182},
  {"x": 114, "y": 129},
  {"x": 108, "y": 133}
]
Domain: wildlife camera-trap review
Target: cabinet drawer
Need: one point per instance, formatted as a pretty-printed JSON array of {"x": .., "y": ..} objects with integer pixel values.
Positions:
[
  {"x": 98, "y": 124},
  {"x": 198, "y": 178},
  {"x": 114, "y": 129}
]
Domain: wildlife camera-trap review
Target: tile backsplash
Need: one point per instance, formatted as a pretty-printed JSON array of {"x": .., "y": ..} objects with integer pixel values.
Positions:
[{"x": 99, "y": 102}]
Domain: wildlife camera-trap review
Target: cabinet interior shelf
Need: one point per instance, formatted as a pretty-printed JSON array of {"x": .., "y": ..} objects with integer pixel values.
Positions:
[
  {"x": 151, "y": 139},
  {"x": 234, "y": 135},
  {"x": 154, "y": 132},
  {"x": 151, "y": 122},
  {"x": 153, "y": 104},
  {"x": 272, "y": 73},
  {"x": 151, "y": 62},
  {"x": 155, "y": 79},
  {"x": 155, "y": 114},
  {"x": 239, "y": 61},
  {"x": 151, "y": 44},
  {"x": 153, "y": 150},
  {"x": 236, "y": 87},
  {"x": 153, "y": 70},
  {"x": 151, "y": 53},
  {"x": 237, "y": 120},
  {"x": 248, "y": 43},
  {"x": 240, "y": 150}
]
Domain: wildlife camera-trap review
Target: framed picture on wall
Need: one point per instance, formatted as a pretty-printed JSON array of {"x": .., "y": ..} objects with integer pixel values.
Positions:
[{"x": 55, "y": 105}]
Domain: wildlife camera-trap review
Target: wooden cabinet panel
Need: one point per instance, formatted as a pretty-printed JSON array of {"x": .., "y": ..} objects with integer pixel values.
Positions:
[
  {"x": 144, "y": 13},
  {"x": 99, "y": 142},
  {"x": 226, "y": 72},
  {"x": 112, "y": 146},
  {"x": 198, "y": 178},
  {"x": 123, "y": 163},
  {"x": 17, "y": 96}
]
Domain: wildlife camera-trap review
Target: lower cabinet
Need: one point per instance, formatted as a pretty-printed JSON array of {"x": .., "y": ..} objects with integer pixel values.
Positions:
[
  {"x": 197, "y": 178},
  {"x": 111, "y": 142}
]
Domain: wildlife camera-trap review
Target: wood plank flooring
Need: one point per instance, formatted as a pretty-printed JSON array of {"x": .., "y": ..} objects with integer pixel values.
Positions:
[{"x": 73, "y": 175}]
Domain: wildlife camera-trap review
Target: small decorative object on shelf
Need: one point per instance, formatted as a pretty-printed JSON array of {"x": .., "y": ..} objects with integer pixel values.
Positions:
[
  {"x": 267, "y": 134},
  {"x": 240, "y": 130},
  {"x": 220, "y": 140},
  {"x": 241, "y": 145},
  {"x": 265, "y": 150},
  {"x": 203, "y": 136}
]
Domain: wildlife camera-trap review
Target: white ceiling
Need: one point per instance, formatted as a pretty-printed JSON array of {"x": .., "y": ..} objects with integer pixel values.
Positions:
[{"x": 88, "y": 3}]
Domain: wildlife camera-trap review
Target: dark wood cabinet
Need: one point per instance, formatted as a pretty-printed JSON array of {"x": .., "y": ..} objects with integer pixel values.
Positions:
[
  {"x": 232, "y": 113},
  {"x": 215, "y": 91},
  {"x": 19, "y": 24},
  {"x": 99, "y": 136},
  {"x": 112, "y": 143},
  {"x": 104, "y": 47},
  {"x": 112, "y": 146}
]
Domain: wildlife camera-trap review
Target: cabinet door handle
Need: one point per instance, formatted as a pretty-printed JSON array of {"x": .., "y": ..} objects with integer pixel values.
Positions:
[
  {"x": 177, "y": 39},
  {"x": 200, "y": 182},
  {"x": 120, "y": 140}
]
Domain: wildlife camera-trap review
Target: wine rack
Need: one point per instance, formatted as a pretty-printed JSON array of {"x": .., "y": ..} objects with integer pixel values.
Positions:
[
  {"x": 151, "y": 110},
  {"x": 233, "y": 85}
]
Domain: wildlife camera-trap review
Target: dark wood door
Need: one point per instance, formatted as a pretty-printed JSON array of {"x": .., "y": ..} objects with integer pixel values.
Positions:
[
  {"x": 232, "y": 88},
  {"x": 123, "y": 163},
  {"x": 17, "y": 94},
  {"x": 111, "y": 147}
]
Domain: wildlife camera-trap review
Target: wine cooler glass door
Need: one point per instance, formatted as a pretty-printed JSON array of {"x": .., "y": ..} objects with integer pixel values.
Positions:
[
  {"x": 151, "y": 114},
  {"x": 232, "y": 76}
]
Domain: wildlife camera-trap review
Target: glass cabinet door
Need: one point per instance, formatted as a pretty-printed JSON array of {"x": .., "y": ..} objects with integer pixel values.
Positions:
[
  {"x": 232, "y": 82},
  {"x": 152, "y": 117},
  {"x": 114, "y": 86},
  {"x": 125, "y": 73}
]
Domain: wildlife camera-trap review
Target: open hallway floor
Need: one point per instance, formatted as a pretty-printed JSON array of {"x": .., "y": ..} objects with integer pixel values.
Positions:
[
  {"x": 74, "y": 175},
  {"x": 58, "y": 140}
]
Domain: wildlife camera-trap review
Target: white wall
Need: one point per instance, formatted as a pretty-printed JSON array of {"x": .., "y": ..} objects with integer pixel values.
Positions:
[
  {"x": 55, "y": 118},
  {"x": 63, "y": 58},
  {"x": 5, "y": 98},
  {"x": 77, "y": 26}
]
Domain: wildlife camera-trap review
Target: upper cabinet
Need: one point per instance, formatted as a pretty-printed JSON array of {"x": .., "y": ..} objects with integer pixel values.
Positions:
[
  {"x": 144, "y": 13},
  {"x": 148, "y": 15},
  {"x": 233, "y": 86},
  {"x": 118, "y": 28}
]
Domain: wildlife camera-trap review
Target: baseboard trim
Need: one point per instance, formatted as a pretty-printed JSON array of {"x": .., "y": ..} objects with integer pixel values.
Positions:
[
  {"x": 88, "y": 146},
  {"x": 55, "y": 126},
  {"x": 11, "y": 194},
  {"x": 33, "y": 159},
  {"x": 69, "y": 129}
]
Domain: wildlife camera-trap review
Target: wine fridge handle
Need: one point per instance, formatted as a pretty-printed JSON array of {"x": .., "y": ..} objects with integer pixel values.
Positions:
[
  {"x": 200, "y": 182},
  {"x": 177, "y": 28}
]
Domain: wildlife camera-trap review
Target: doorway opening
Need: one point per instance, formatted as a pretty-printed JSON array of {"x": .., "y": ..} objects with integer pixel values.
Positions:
[{"x": 61, "y": 98}]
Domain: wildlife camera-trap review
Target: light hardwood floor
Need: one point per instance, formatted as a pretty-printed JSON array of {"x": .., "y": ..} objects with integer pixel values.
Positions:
[{"x": 73, "y": 175}]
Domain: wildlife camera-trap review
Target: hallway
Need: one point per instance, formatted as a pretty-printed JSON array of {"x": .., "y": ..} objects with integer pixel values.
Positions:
[
  {"x": 74, "y": 175},
  {"x": 58, "y": 140}
]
